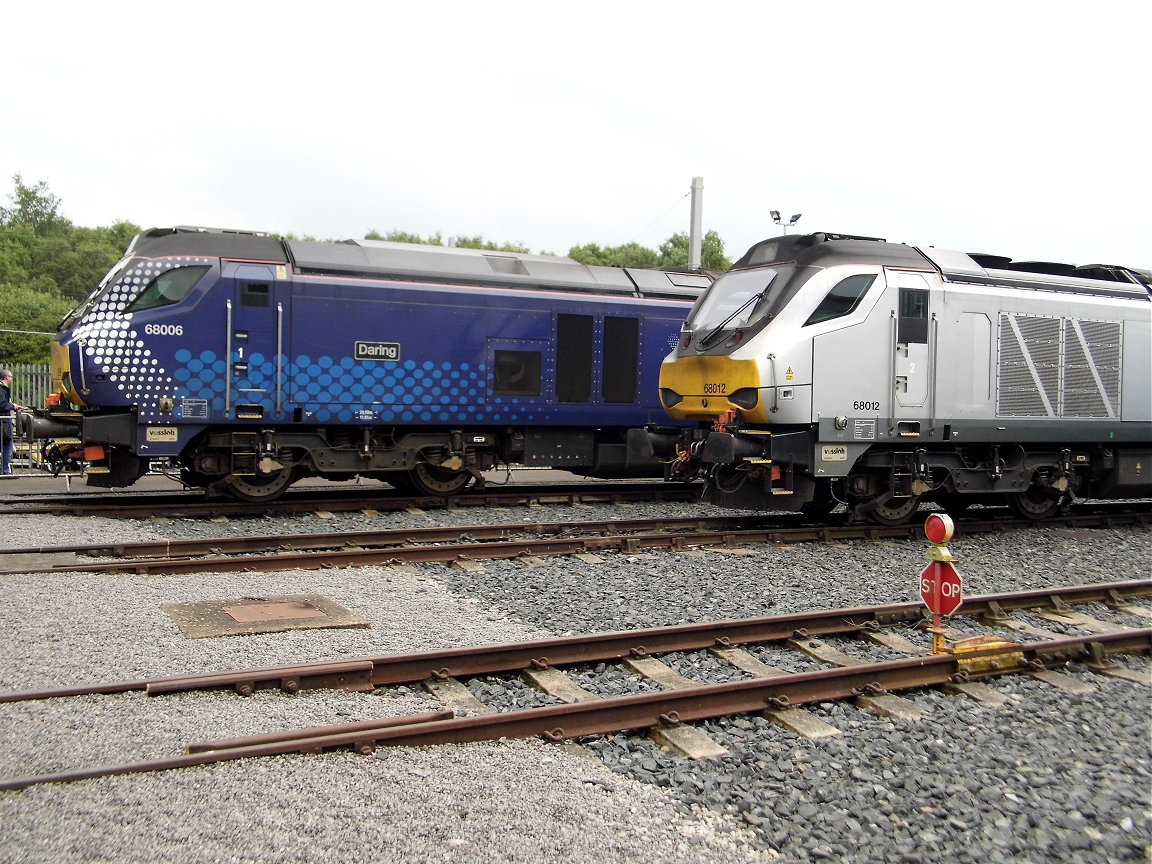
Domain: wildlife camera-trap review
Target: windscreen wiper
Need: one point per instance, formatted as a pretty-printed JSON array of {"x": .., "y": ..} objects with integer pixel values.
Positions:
[{"x": 703, "y": 343}]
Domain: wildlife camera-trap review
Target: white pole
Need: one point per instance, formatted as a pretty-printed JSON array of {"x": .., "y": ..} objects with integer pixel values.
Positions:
[{"x": 695, "y": 236}]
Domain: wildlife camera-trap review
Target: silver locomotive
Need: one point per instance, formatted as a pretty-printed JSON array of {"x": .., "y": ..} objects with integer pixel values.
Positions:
[{"x": 826, "y": 369}]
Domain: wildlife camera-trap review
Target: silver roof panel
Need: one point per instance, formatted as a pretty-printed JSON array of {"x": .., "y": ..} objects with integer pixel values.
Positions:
[{"x": 374, "y": 258}]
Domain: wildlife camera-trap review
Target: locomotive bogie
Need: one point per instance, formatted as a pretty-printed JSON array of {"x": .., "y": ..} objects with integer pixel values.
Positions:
[
  {"x": 926, "y": 377},
  {"x": 251, "y": 362}
]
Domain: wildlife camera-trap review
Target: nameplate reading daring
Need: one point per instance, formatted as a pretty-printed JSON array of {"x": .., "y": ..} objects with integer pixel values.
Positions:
[{"x": 378, "y": 351}]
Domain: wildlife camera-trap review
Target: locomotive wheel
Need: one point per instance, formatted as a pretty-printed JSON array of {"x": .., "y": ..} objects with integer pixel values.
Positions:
[
  {"x": 892, "y": 510},
  {"x": 434, "y": 480},
  {"x": 1035, "y": 502},
  {"x": 257, "y": 488}
]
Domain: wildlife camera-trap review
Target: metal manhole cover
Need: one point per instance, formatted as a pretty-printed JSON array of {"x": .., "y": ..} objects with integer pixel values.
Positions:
[
  {"x": 267, "y": 610},
  {"x": 245, "y": 616}
]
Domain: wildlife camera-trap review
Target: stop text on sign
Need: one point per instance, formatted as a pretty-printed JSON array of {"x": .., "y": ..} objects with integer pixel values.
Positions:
[{"x": 941, "y": 588}]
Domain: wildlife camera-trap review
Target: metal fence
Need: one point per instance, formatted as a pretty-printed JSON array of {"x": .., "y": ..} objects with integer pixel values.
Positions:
[{"x": 31, "y": 383}]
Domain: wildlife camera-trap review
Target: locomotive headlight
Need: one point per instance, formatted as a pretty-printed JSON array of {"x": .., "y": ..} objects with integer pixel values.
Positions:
[
  {"x": 685, "y": 335},
  {"x": 841, "y": 422},
  {"x": 670, "y": 397},
  {"x": 745, "y": 397}
]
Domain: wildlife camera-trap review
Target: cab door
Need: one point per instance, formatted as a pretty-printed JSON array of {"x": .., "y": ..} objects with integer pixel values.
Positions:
[
  {"x": 255, "y": 343},
  {"x": 912, "y": 351}
]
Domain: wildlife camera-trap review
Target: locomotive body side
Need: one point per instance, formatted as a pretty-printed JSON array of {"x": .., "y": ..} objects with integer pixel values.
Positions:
[
  {"x": 857, "y": 371},
  {"x": 417, "y": 367}
]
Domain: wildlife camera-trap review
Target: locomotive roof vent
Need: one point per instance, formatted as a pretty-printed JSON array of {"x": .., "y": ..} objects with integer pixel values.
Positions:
[
  {"x": 198, "y": 229},
  {"x": 208, "y": 242},
  {"x": 999, "y": 270},
  {"x": 506, "y": 264},
  {"x": 1049, "y": 267}
]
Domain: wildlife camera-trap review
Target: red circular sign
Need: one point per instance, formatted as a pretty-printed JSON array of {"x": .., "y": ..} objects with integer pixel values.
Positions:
[{"x": 938, "y": 528}]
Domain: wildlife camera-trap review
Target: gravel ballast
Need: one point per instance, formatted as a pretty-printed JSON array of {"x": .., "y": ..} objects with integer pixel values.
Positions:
[{"x": 1049, "y": 777}]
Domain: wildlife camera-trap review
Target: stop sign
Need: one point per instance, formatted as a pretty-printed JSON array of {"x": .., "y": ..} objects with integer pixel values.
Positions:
[{"x": 941, "y": 587}]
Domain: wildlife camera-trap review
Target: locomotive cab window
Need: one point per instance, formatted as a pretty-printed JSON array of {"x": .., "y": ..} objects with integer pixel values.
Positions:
[
  {"x": 168, "y": 288},
  {"x": 736, "y": 299},
  {"x": 516, "y": 373},
  {"x": 843, "y": 299},
  {"x": 254, "y": 294},
  {"x": 913, "y": 323}
]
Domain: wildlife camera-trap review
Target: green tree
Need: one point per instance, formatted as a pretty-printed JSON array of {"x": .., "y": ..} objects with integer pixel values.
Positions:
[
  {"x": 627, "y": 255},
  {"x": 46, "y": 266},
  {"x": 34, "y": 207},
  {"x": 464, "y": 242},
  {"x": 478, "y": 242},
  {"x": 674, "y": 252},
  {"x": 25, "y": 314},
  {"x": 405, "y": 237}
]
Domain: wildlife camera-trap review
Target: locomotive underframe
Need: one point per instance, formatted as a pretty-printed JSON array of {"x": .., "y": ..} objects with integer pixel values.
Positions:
[
  {"x": 780, "y": 470},
  {"x": 260, "y": 462}
]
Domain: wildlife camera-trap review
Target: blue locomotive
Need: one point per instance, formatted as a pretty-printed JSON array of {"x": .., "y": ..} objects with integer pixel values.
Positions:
[
  {"x": 250, "y": 362},
  {"x": 825, "y": 369}
]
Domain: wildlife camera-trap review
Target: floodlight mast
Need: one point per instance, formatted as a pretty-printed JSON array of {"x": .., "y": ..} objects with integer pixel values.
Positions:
[{"x": 775, "y": 214}]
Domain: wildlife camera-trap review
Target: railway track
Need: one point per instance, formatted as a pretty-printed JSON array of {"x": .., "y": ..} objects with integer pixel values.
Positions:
[
  {"x": 477, "y": 542},
  {"x": 193, "y": 503},
  {"x": 1110, "y": 628}
]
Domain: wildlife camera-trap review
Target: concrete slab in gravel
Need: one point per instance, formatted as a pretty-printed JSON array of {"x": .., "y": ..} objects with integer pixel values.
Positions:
[{"x": 249, "y": 615}]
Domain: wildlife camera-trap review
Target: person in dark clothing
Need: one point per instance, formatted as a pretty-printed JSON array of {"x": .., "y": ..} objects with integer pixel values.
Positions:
[{"x": 8, "y": 410}]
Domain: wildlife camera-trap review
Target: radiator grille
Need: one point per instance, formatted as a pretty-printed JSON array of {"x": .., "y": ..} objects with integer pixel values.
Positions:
[
  {"x": 1058, "y": 367},
  {"x": 1091, "y": 369}
]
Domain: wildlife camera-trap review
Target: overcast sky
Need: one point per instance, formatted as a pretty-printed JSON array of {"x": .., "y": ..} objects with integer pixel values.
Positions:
[{"x": 1017, "y": 128}]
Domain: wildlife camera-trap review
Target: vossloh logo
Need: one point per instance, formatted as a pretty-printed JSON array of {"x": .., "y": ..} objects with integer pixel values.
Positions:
[{"x": 377, "y": 351}]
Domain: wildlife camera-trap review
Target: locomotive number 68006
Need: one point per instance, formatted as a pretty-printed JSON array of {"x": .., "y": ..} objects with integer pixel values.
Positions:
[{"x": 418, "y": 366}]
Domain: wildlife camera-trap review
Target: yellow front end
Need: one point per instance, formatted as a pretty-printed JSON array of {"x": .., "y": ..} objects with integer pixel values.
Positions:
[
  {"x": 61, "y": 365},
  {"x": 704, "y": 386}
]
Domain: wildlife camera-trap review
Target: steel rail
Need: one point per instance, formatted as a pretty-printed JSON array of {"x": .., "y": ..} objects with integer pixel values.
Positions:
[
  {"x": 645, "y": 711},
  {"x": 789, "y": 526},
  {"x": 319, "y": 558},
  {"x": 383, "y": 537},
  {"x": 369, "y": 672},
  {"x": 145, "y": 505}
]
